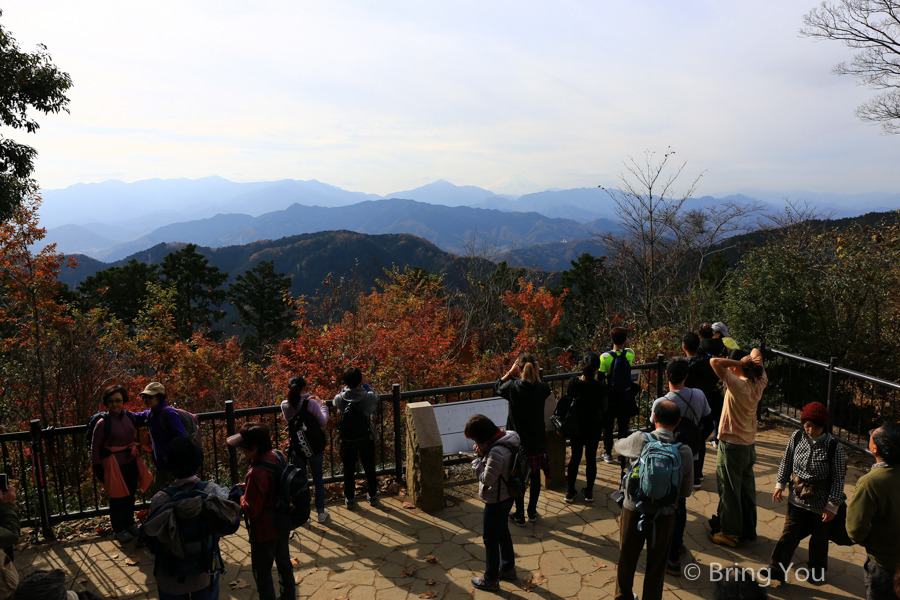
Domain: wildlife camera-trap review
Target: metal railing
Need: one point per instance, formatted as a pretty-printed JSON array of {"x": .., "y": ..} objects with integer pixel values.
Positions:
[
  {"x": 857, "y": 402},
  {"x": 51, "y": 468}
]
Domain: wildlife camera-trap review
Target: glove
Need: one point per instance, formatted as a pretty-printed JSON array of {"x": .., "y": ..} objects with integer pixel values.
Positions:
[
  {"x": 236, "y": 494},
  {"x": 99, "y": 472}
]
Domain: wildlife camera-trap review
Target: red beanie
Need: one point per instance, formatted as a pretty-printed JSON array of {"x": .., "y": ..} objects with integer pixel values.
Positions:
[{"x": 815, "y": 412}]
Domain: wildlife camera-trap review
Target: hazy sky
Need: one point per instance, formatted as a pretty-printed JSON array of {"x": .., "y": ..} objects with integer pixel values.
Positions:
[{"x": 386, "y": 96}]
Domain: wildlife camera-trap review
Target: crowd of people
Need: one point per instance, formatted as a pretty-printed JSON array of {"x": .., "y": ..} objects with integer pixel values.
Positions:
[{"x": 712, "y": 404}]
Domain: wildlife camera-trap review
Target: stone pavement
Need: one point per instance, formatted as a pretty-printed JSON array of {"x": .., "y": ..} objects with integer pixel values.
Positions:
[{"x": 397, "y": 553}]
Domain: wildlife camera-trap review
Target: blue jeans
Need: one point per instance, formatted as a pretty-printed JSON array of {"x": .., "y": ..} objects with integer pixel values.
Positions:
[
  {"x": 497, "y": 541},
  {"x": 315, "y": 464},
  {"x": 204, "y": 594}
]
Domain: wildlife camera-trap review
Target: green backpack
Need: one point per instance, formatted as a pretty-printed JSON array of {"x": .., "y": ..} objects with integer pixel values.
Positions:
[{"x": 519, "y": 474}]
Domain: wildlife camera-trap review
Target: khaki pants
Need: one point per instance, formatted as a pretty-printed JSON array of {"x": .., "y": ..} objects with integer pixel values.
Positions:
[{"x": 737, "y": 489}]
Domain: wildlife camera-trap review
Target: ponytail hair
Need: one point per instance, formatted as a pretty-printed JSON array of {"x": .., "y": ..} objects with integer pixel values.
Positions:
[
  {"x": 526, "y": 365},
  {"x": 589, "y": 365},
  {"x": 296, "y": 386}
]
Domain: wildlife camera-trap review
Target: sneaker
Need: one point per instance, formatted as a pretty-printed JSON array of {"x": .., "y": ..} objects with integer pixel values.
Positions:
[
  {"x": 350, "y": 503},
  {"x": 510, "y": 575},
  {"x": 571, "y": 497},
  {"x": 483, "y": 584},
  {"x": 607, "y": 458},
  {"x": 323, "y": 516},
  {"x": 533, "y": 517},
  {"x": 723, "y": 539},
  {"x": 373, "y": 500},
  {"x": 714, "y": 443},
  {"x": 702, "y": 477},
  {"x": 588, "y": 495},
  {"x": 124, "y": 537},
  {"x": 673, "y": 568},
  {"x": 697, "y": 484},
  {"x": 517, "y": 519}
]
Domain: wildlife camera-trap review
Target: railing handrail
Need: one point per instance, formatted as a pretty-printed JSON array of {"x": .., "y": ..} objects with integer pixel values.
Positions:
[
  {"x": 843, "y": 371},
  {"x": 798, "y": 358}
]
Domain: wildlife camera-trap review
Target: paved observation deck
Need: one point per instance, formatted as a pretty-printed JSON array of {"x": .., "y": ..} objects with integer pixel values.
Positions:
[{"x": 397, "y": 553}]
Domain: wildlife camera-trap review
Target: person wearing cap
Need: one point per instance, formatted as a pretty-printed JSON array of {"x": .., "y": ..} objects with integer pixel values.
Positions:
[
  {"x": 164, "y": 426},
  {"x": 693, "y": 405},
  {"x": 48, "y": 585},
  {"x": 873, "y": 514},
  {"x": 185, "y": 459},
  {"x": 812, "y": 469},
  {"x": 268, "y": 543},
  {"x": 745, "y": 379},
  {"x": 721, "y": 332},
  {"x": 117, "y": 463}
]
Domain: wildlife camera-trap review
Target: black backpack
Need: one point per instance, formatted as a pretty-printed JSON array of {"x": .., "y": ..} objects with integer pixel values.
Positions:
[
  {"x": 354, "y": 424},
  {"x": 620, "y": 373},
  {"x": 200, "y": 543},
  {"x": 565, "y": 419},
  {"x": 291, "y": 493},
  {"x": 688, "y": 432},
  {"x": 107, "y": 427},
  {"x": 307, "y": 437}
]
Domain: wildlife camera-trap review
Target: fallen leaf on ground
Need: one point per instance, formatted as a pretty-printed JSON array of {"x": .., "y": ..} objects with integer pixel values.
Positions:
[
  {"x": 584, "y": 537},
  {"x": 564, "y": 569},
  {"x": 313, "y": 570},
  {"x": 295, "y": 562},
  {"x": 340, "y": 585},
  {"x": 430, "y": 559},
  {"x": 342, "y": 598},
  {"x": 131, "y": 590},
  {"x": 82, "y": 581},
  {"x": 298, "y": 579},
  {"x": 530, "y": 582},
  {"x": 132, "y": 560},
  {"x": 601, "y": 566},
  {"x": 427, "y": 594},
  {"x": 408, "y": 505},
  {"x": 431, "y": 582},
  {"x": 408, "y": 571},
  {"x": 111, "y": 596},
  {"x": 239, "y": 584},
  {"x": 115, "y": 556}
]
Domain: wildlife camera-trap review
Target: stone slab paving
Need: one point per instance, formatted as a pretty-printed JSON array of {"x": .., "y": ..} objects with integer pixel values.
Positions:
[{"x": 389, "y": 553}]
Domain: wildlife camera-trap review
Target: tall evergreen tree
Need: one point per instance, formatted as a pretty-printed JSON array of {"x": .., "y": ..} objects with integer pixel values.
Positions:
[
  {"x": 198, "y": 285},
  {"x": 259, "y": 298}
]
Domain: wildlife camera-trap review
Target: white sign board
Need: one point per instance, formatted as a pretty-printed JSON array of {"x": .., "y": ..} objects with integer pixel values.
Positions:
[{"x": 452, "y": 418}]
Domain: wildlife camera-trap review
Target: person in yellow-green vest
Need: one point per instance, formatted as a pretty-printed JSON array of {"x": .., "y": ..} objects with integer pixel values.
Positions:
[{"x": 721, "y": 332}]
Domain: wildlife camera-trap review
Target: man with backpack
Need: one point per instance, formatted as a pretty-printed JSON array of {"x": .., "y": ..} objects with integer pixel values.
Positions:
[
  {"x": 164, "y": 425},
  {"x": 355, "y": 405},
  {"x": 183, "y": 529},
  {"x": 269, "y": 536},
  {"x": 616, "y": 366},
  {"x": 661, "y": 473},
  {"x": 702, "y": 377},
  {"x": 694, "y": 408}
]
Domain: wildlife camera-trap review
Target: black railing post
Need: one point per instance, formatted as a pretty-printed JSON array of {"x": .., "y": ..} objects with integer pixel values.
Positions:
[
  {"x": 398, "y": 443},
  {"x": 40, "y": 479},
  {"x": 660, "y": 369},
  {"x": 232, "y": 451},
  {"x": 829, "y": 398}
]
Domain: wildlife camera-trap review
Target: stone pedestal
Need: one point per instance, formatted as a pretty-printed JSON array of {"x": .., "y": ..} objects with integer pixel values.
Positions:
[
  {"x": 556, "y": 448},
  {"x": 424, "y": 457}
]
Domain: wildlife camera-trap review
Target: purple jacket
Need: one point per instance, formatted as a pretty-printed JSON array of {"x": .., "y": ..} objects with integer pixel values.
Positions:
[{"x": 161, "y": 435}]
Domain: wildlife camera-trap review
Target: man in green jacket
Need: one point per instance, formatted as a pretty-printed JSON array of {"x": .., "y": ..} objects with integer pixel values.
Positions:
[{"x": 873, "y": 515}]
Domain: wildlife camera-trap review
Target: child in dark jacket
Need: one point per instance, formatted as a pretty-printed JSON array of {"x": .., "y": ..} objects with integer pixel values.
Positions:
[
  {"x": 268, "y": 543},
  {"x": 526, "y": 394}
]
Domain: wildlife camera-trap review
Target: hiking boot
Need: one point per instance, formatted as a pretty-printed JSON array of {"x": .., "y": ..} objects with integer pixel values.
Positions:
[
  {"x": 673, "y": 568},
  {"x": 588, "y": 495},
  {"x": 323, "y": 516},
  {"x": 571, "y": 497},
  {"x": 124, "y": 537},
  {"x": 510, "y": 575},
  {"x": 723, "y": 539},
  {"x": 533, "y": 517},
  {"x": 517, "y": 519},
  {"x": 350, "y": 503},
  {"x": 483, "y": 584},
  {"x": 607, "y": 458},
  {"x": 373, "y": 500}
]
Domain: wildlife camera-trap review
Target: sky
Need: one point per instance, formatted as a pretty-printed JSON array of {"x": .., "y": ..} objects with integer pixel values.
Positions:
[{"x": 387, "y": 96}]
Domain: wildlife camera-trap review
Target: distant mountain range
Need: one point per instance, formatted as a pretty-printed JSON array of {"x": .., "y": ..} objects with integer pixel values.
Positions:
[
  {"x": 111, "y": 220},
  {"x": 307, "y": 258}
]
